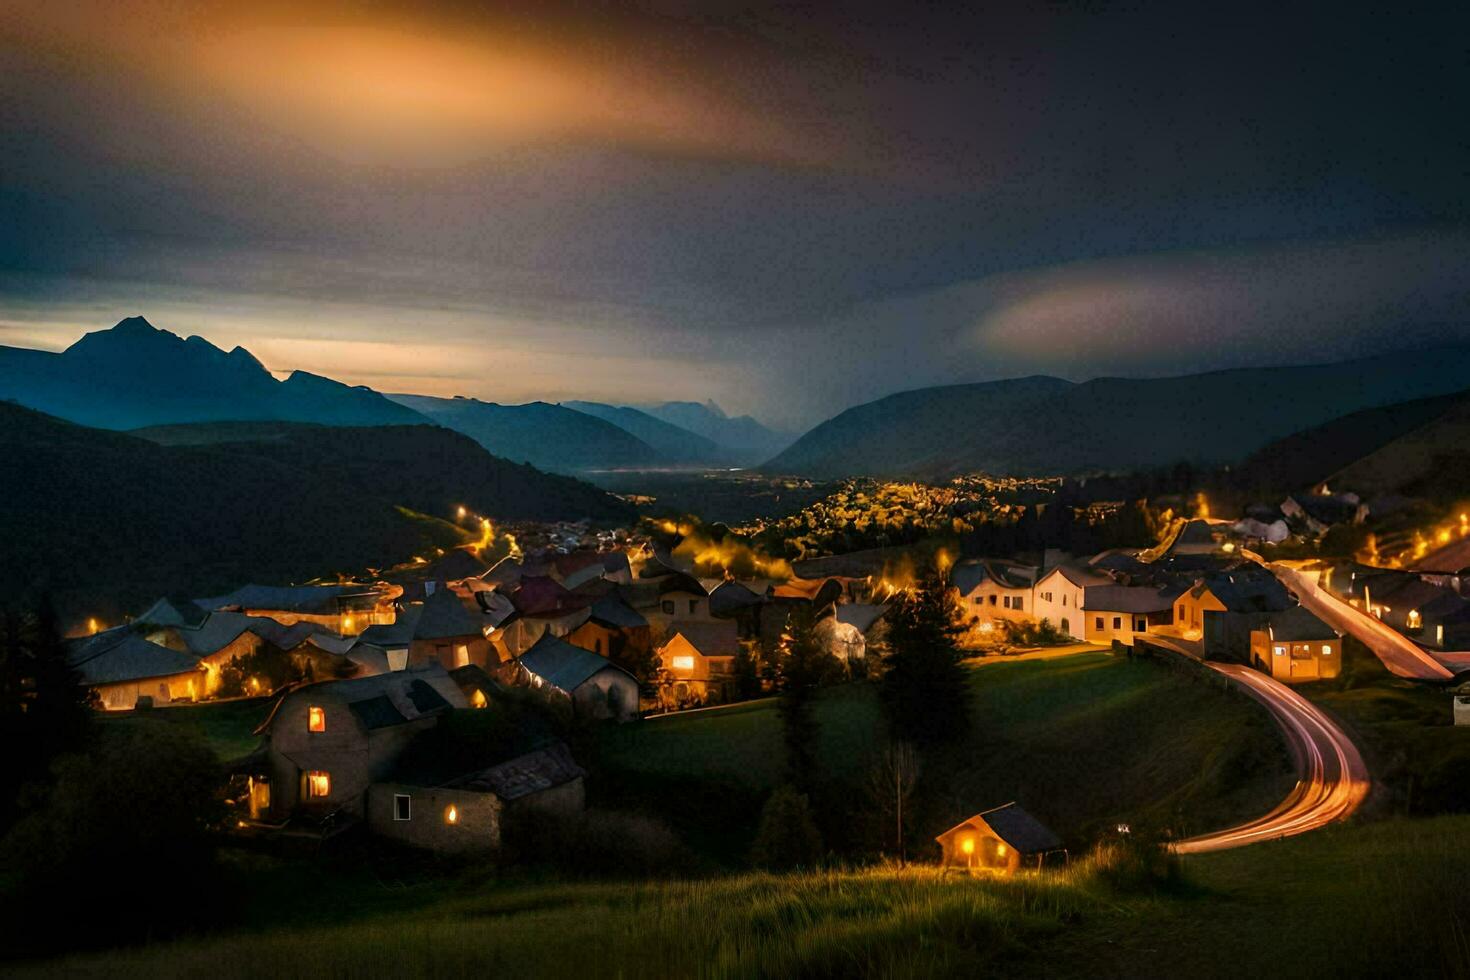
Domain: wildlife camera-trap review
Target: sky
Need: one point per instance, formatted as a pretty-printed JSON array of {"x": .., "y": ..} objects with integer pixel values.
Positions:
[{"x": 789, "y": 210}]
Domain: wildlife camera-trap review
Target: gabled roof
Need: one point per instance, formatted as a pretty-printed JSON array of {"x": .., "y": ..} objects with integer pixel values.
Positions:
[
  {"x": 717, "y": 638},
  {"x": 184, "y": 613},
  {"x": 542, "y": 769},
  {"x": 612, "y": 611},
  {"x": 1079, "y": 574},
  {"x": 541, "y": 594},
  {"x": 445, "y": 615},
  {"x": 1298, "y": 623},
  {"x": 384, "y": 700},
  {"x": 1248, "y": 589},
  {"x": 121, "y": 654},
  {"x": 294, "y": 598},
  {"x": 1128, "y": 598},
  {"x": 506, "y": 572},
  {"x": 562, "y": 665},
  {"x": 861, "y": 615},
  {"x": 397, "y": 634},
  {"x": 1021, "y": 831},
  {"x": 733, "y": 595}
]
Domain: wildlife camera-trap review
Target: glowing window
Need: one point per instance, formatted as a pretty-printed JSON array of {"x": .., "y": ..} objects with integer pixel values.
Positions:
[
  {"x": 683, "y": 663},
  {"x": 318, "y": 785},
  {"x": 402, "y": 806},
  {"x": 461, "y": 655},
  {"x": 451, "y": 815},
  {"x": 1414, "y": 621},
  {"x": 1439, "y": 635},
  {"x": 1279, "y": 651},
  {"x": 1000, "y": 850},
  {"x": 1326, "y": 650},
  {"x": 316, "y": 719},
  {"x": 478, "y": 699},
  {"x": 968, "y": 846}
]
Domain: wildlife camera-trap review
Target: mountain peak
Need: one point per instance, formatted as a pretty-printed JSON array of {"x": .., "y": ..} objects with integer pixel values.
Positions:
[{"x": 135, "y": 324}]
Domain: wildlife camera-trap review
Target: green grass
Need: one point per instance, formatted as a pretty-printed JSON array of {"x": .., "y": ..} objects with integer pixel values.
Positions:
[
  {"x": 1084, "y": 742},
  {"x": 1376, "y": 900},
  {"x": 225, "y": 726}
]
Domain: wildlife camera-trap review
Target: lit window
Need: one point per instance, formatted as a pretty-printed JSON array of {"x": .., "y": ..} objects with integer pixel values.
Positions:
[
  {"x": 968, "y": 845},
  {"x": 402, "y": 806},
  {"x": 461, "y": 655},
  {"x": 683, "y": 663},
  {"x": 1000, "y": 850},
  {"x": 318, "y": 785},
  {"x": 478, "y": 700},
  {"x": 1279, "y": 651},
  {"x": 451, "y": 815},
  {"x": 1326, "y": 650},
  {"x": 316, "y": 719},
  {"x": 1414, "y": 621},
  {"x": 1439, "y": 635}
]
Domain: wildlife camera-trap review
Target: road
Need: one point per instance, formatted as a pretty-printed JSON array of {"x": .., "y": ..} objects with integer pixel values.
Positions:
[
  {"x": 1332, "y": 777},
  {"x": 1399, "y": 654}
]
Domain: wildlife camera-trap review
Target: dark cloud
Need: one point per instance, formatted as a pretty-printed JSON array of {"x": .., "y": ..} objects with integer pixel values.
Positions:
[{"x": 786, "y": 208}]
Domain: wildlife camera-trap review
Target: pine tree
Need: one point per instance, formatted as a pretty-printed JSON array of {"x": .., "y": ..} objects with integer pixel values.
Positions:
[
  {"x": 803, "y": 668},
  {"x": 925, "y": 691}
]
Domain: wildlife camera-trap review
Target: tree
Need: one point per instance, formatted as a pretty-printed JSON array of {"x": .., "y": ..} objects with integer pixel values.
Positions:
[
  {"x": 803, "y": 668},
  {"x": 891, "y": 783},
  {"x": 747, "y": 672},
  {"x": 787, "y": 836},
  {"x": 925, "y": 692}
]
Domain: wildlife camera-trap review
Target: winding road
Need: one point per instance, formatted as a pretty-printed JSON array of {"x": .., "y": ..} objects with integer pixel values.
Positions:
[{"x": 1333, "y": 780}]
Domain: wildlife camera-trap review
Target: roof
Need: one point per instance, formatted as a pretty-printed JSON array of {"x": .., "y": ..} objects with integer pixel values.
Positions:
[
  {"x": 121, "y": 654},
  {"x": 507, "y": 571},
  {"x": 399, "y": 633},
  {"x": 1298, "y": 623},
  {"x": 384, "y": 700},
  {"x": 1020, "y": 830},
  {"x": 185, "y": 613},
  {"x": 445, "y": 615},
  {"x": 562, "y": 665},
  {"x": 1081, "y": 575},
  {"x": 539, "y": 594},
  {"x": 716, "y": 638},
  {"x": 293, "y": 598},
  {"x": 1249, "y": 589},
  {"x": 611, "y": 610},
  {"x": 967, "y": 576},
  {"x": 861, "y": 615},
  {"x": 452, "y": 566},
  {"x": 798, "y": 588},
  {"x": 1128, "y": 598},
  {"x": 732, "y": 596},
  {"x": 542, "y": 769}
]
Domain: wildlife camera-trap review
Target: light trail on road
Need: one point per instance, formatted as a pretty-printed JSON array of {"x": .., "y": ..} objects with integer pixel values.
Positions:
[{"x": 1332, "y": 780}]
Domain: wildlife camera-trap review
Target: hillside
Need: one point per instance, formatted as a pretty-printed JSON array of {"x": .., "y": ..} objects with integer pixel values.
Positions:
[
  {"x": 134, "y": 375},
  {"x": 111, "y": 520},
  {"x": 670, "y": 441},
  {"x": 549, "y": 437},
  {"x": 741, "y": 433},
  {"x": 1431, "y": 460},
  {"x": 1306, "y": 458},
  {"x": 1044, "y": 425}
]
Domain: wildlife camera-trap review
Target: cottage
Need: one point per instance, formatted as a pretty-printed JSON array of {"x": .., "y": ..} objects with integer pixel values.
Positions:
[
  {"x": 1059, "y": 595},
  {"x": 467, "y": 813},
  {"x": 1003, "y": 839},
  {"x": 613, "y": 629},
  {"x": 1294, "y": 645},
  {"x": 344, "y": 609},
  {"x": 699, "y": 659},
  {"x": 124, "y": 669},
  {"x": 990, "y": 590},
  {"x": 1220, "y": 609},
  {"x": 326, "y": 743},
  {"x": 443, "y": 629},
  {"x": 594, "y": 686},
  {"x": 1124, "y": 612}
]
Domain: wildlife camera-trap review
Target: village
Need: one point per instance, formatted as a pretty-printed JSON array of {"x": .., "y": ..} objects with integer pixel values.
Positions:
[{"x": 361, "y": 683}]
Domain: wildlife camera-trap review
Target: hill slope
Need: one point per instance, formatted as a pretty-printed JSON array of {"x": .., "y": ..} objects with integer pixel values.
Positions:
[
  {"x": 670, "y": 441},
  {"x": 134, "y": 375},
  {"x": 1048, "y": 425},
  {"x": 549, "y": 437},
  {"x": 1431, "y": 460},
  {"x": 101, "y": 514}
]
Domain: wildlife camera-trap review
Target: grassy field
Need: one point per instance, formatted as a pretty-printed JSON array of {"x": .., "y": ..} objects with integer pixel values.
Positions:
[
  {"x": 1084, "y": 742},
  {"x": 225, "y": 726},
  {"x": 1370, "y": 900}
]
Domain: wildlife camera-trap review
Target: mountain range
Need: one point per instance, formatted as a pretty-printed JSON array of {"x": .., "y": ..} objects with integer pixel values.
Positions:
[
  {"x": 135, "y": 374},
  {"x": 1045, "y": 425},
  {"x": 742, "y": 433}
]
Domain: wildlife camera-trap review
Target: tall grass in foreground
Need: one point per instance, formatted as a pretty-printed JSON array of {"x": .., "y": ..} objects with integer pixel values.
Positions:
[{"x": 874, "y": 922}]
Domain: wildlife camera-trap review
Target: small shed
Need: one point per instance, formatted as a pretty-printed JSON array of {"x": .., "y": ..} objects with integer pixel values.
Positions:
[{"x": 1002, "y": 839}]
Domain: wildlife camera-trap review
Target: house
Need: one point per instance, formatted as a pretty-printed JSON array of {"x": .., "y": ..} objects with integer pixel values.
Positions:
[
  {"x": 680, "y": 597},
  {"x": 846, "y": 629},
  {"x": 443, "y": 629},
  {"x": 740, "y": 601},
  {"x": 1059, "y": 594},
  {"x": 1431, "y": 614},
  {"x": 1123, "y": 612},
  {"x": 1317, "y": 512},
  {"x": 326, "y": 743},
  {"x": 344, "y": 609},
  {"x": 991, "y": 590},
  {"x": 613, "y": 629},
  {"x": 794, "y": 597},
  {"x": 124, "y": 668},
  {"x": 467, "y": 813},
  {"x": 699, "y": 659},
  {"x": 1220, "y": 610},
  {"x": 594, "y": 686},
  {"x": 1294, "y": 645},
  {"x": 1002, "y": 839}
]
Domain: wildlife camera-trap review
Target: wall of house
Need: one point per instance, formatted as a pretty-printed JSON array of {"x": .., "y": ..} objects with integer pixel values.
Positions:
[
  {"x": 685, "y": 605},
  {"x": 607, "y": 694},
  {"x": 446, "y": 652},
  {"x": 1189, "y": 612},
  {"x": 991, "y": 600},
  {"x": 1297, "y": 660},
  {"x": 1060, "y": 601},
  {"x": 476, "y": 825},
  {"x": 1104, "y": 626},
  {"x": 163, "y": 690}
]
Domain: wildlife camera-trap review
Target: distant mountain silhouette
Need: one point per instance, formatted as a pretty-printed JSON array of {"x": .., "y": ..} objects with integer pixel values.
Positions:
[
  {"x": 134, "y": 375},
  {"x": 709, "y": 420},
  {"x": 1429, "y": 460},
  {"x": 1044, "y": 425},
  {"x": 116, "y": 519},
  {"x": 672, "y": 442},
  {"x": 550, "y": 437}
]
